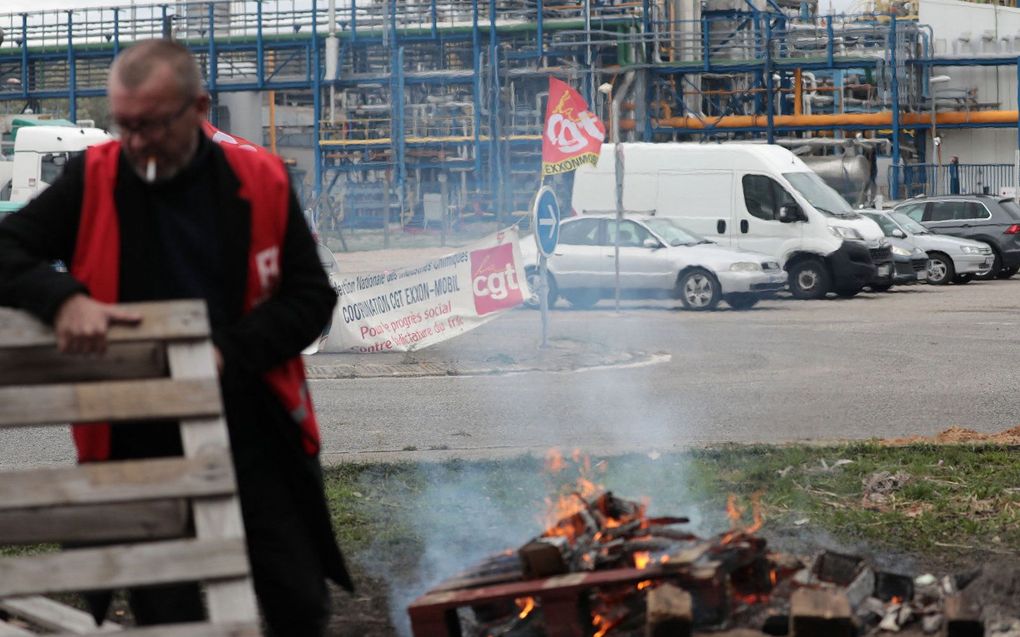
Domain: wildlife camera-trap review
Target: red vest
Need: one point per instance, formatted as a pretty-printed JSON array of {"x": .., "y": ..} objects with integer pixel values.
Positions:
[{"x": 96, "y": 263}]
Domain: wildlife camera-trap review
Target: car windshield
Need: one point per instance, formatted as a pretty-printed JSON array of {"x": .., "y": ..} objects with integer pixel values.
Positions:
[
  {"x": 674, "y": 234},
  {"x": 884, "y": 222},
  {"x": 907, "y": 223},
  {"x": 819, "y": 194}
]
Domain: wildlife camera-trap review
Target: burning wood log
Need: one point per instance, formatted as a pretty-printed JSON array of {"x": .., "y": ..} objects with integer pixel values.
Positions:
[
  {"x": 604, "y": 569},
  {"x": 544, "y": 557},
  {"x": 668, "y": 612}
]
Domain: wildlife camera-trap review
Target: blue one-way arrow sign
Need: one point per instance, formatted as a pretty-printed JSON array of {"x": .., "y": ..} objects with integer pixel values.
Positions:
[{"x": 546, "y": 218}]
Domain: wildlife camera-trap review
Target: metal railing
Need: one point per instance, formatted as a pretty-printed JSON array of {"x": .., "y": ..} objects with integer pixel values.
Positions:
[{"x": 952, "y": 179}]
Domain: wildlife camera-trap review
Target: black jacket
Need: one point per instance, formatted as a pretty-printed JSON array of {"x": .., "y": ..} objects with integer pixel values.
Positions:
[{"x": 262, "y": 433}]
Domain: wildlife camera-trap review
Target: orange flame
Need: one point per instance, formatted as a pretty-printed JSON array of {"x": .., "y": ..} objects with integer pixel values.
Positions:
[
  {"x": 526, "y": 604},
  {"x": 604, "y": 624},
  {"x": 735, "y": 513},
  {"x": 644, "y": 584},
  {"x": 641, "y": 559},
  {"x": 773, "y": 577},
  {"x": 573, "y": 497},
  {"x": 554, "y": 462}
]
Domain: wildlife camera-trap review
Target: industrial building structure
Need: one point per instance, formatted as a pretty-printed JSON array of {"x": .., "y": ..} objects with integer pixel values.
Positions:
[{"x": 412, "y": 108}]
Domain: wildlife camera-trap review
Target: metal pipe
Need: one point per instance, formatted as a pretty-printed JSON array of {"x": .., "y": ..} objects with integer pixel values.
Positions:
[
  {"x": 272, "y": 122},
  {"x": 798, "y": 91},
  {"x": 884, "y": 118},
  {"x": 24, "y": 55},
  {"x": 619, "y": 94},
  {"x": 894, "y": 190},
  {"x": 770, "y": 106},
  {"x": 260, "y": 63},
  {"x": 72, "y": 87},
  {"x": 316, "y": 100}
]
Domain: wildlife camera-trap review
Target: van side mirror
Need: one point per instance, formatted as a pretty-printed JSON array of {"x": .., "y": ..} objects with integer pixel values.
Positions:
[
  {"x": 899, "y": 234},
  {"x": 651, "y": 243},
  {"x": 789, "y": 213}
]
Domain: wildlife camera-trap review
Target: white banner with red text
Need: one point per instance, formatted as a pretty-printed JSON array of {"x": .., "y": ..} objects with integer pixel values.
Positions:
[{"x": 414, "y": 307}]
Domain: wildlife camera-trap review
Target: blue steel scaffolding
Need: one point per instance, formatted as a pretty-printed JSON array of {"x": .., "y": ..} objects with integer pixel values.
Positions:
[{"x": 450, "y": 91}]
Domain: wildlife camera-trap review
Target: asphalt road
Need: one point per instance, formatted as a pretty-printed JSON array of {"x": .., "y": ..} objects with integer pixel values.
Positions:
[{"x": 910, "y": 362}]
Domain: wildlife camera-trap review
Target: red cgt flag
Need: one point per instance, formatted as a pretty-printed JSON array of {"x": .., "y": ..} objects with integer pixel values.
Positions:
[
  {"x": 220, "y": 137},
  {"x": 573, "y": 135}
]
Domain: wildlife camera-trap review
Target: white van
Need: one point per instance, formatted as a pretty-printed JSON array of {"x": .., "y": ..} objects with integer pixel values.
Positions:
[{"x": 752, "y": 196}]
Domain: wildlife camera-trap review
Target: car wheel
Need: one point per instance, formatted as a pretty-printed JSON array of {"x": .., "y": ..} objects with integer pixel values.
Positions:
[
  {"x": 994, "y": 271},
  {"x": 698, "y": 290},
  {"x": 940, "y": 269},
  {"x": 742, "y": 300},
  {"x": 963, "y": 279},
  {"x": 1007, "y": 273},
  {"x": 532, "y": 276},
  {"x": 581, "y": 299},
  {"x": 809, "y": 279}
]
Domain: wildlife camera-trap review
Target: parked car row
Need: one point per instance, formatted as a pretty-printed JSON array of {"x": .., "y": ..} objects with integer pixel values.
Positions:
[
  {"x": 707, "y": 223},
  {"x": 948, "y": 258},
  {"x": 994, "y": 221}
]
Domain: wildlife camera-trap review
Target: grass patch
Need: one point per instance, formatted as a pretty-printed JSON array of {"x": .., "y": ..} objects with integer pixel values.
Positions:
[{"x": 933, "y": 499}]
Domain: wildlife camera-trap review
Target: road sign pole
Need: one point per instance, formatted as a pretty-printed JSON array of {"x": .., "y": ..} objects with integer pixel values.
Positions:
[
  {"x": 543, "y": 299},
  {"x": 545, "y": 215},
  {"x": 619, "y": 216}
]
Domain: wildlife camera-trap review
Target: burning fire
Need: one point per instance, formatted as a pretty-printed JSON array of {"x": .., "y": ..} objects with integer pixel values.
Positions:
[
  {"x": 526, "y": 604},
  {"x": 736, "y": 513},
  {"x": 604, "y": 624},
  {"x": 574, "y": 495},
  {"x": 641, "y": 559}
]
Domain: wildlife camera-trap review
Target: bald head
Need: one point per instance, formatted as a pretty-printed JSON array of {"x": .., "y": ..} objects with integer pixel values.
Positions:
[
  {"x": 140, "y": 62},
  {"x": 157, "y": 105}
]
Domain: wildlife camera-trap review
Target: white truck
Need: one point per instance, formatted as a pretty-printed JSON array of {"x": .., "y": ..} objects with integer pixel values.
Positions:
[
  {"x": 750, "y": 196},
  {"x": 40, "y": 153}
]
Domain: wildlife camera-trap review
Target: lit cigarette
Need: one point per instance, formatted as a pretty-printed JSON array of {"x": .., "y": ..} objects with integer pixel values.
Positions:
[{"x": 150, "y": 170}]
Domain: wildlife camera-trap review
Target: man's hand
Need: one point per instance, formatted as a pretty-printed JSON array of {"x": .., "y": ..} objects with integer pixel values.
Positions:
[{"x": 81, "y": 324}]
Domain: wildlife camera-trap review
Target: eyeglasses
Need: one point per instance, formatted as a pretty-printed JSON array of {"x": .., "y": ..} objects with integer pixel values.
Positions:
[{"x": 151, "y": 127}]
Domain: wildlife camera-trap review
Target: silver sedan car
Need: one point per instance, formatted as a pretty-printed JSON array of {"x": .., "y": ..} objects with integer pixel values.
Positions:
[
  {"x": 949, "y": 258},
  {"x": 658, "y": 259}
]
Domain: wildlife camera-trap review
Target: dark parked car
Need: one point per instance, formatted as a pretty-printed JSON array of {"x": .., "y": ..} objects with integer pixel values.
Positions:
[
  {"x": 986, "y": 218},
  {"x": 911, "y": 262}
]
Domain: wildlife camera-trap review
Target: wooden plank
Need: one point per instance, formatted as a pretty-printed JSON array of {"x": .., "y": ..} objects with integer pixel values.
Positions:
[
  {"x": 208, "y": 474},
  {"x": 122, "y": 522},
  {"x": 46, "y": 366},
  {"x": 10, "y": 630},
  {"x": 668, "y": 612},
  {"x": 125, "y": 400},
  {"x": 52, "y": 615},
  {"x": 160, "y": 321},
  {"x": 215, "y": 517},
  {"x": 820, "y": 613},
  {"x": 963, "y": 619},
  {"x": 233, "y": 629},
  {"x": 122, "y": 566}
]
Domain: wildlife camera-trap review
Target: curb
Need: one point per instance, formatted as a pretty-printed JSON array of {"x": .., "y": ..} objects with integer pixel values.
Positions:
[{"x": 436, "y": 369}]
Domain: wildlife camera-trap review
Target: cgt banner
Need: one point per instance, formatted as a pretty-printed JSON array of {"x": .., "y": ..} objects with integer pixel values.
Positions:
[{"x": 412, "y": 308}]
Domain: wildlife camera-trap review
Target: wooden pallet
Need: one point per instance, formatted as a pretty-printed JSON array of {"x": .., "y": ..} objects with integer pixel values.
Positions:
[{"x": 139, "y": 511}]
